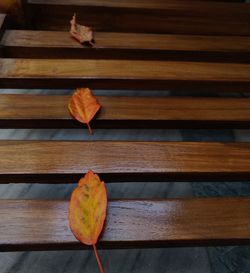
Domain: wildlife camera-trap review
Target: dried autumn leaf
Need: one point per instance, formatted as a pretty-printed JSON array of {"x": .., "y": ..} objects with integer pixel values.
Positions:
[
  {"x": 87, "y": 210},
  {"x": 83, "y": 106},
  {"x": 81, "y": 33}
]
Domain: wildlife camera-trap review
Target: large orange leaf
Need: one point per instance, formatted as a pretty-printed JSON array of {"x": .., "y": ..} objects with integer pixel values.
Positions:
[
  {"x": 83, "y": 106},
  {"x": 87, "y": 210}
]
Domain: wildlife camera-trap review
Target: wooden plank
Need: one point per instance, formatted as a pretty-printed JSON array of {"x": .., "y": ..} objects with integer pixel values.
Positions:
[
  {"x": 182, "y": 17},
  {"x": 59, "y": 44},
  {"x": 130, "y": 223},
  {"x": 115, "y": 74},
  {"x": 2, "y": 30},
  {"x": 45, "y": 111},
  {"x": 2, "y": 27},
  {"x": 2, "y": 18},
  {"x": 65, "y": 161}
]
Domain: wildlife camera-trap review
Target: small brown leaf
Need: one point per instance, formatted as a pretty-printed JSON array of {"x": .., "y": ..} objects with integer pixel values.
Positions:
[
  {"x": 81, "y": 33},
  {"x": 83, "y": 106}
]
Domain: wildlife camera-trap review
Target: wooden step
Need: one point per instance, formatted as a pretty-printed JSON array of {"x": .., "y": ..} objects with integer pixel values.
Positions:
[
  {"x": 59, "y": 44},
  {"x": 173, "y": 16},
  {"x": 47, "y": 111},
  {"x": 2, "y": 26},
  {"x": 130, "y": 223},
  {"x": 67, "y": 161},
  {"x": 116, "y": 74}
]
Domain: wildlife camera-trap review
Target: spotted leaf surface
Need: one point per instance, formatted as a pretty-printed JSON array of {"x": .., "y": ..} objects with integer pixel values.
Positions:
[{"x": 87, "y": 209}]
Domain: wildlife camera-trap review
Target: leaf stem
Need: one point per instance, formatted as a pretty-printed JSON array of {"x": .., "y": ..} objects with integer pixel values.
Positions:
[
  {"x": 98, "y": 260},
  {"x": 90, "y": 130}
]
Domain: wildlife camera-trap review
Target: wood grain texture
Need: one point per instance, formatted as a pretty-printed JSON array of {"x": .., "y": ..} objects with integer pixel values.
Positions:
[
  {"x": 65, "y": 161},
  {"x": 45, "y": 111},
  {"x": 43, "y": 225},
  {"x": 59, "y": 44},
  {"x": 183, "y": 17},
  {"x": 115, "y": 74}
]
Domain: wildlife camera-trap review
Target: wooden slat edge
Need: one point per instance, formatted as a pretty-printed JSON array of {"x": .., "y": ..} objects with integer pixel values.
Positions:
[{"x": 130, "y": 223}]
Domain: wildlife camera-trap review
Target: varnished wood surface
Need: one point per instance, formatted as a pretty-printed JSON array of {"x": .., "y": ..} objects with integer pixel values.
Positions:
[
  {"x": 113, "y": 74},
  {"x": 43, "y": 225},
  {"x": 58, "y": 44},
  {"x": 66, "y": 161},
  {"x": 183, "y": 17},
  {"x": 46, "y": 111}
]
